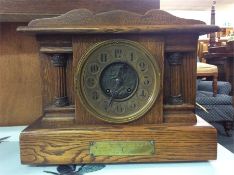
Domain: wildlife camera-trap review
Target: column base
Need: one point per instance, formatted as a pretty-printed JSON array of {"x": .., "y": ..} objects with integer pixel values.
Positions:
[{"x": 61, "y": 102}]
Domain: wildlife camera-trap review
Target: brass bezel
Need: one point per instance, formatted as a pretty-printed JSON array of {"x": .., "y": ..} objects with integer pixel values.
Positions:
[{"x": 95, "y": 112}]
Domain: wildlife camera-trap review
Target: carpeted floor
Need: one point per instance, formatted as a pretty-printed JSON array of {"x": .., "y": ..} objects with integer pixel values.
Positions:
[{"x": 223, "y": 139}]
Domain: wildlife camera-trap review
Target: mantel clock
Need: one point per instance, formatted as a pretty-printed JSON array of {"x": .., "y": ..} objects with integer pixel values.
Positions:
[{"x": 117, "y": 87}]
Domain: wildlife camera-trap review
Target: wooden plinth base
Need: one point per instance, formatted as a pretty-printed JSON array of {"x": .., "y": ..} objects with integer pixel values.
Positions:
[{"x": 71, "y": 145}]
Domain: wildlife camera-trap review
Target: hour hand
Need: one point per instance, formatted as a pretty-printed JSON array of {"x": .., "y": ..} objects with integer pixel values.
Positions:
[{"x": 115, "y": 90}]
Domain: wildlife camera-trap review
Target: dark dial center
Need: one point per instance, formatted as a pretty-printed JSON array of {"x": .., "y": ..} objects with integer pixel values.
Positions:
[{"x": 118, "y": 80}]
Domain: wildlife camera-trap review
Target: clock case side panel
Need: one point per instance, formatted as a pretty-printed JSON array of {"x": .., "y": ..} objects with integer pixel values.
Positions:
[
  {"x": 186, "y": 46},
  {"x": 154, "y": 44},
  {"x": 50, "y": 45}
]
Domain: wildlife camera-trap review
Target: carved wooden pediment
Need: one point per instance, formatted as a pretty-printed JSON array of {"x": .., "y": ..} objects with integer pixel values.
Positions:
[
  {"x": 117, "y": 21},
  {"x": 84, "y": 17}
]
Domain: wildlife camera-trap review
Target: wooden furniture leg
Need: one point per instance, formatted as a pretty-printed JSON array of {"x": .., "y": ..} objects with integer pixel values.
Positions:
[
  {"x": 227, "y": 127},
  {"x": 215, "y": 85}
]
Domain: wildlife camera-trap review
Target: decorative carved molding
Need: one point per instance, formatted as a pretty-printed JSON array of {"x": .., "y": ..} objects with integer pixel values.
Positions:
[
  {"x": 58, "y": 49},
  {"x": 83, "y": 21},
  {"x": 84, "y": 17}
]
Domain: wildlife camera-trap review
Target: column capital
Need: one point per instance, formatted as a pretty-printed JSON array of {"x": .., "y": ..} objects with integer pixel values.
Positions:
[
  {"x": 175, "y": 58},
  {"x": 59, "y": 59}
]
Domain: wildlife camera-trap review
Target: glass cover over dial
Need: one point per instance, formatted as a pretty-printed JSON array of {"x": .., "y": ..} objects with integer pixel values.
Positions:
[{"x": 117, "y": 80}]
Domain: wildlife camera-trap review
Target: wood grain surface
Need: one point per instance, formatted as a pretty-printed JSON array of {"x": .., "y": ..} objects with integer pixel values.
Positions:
[
  {"x": 83, "y": 21},
  {"x": 85, "y": 17},
  {"x": 20, "y": 82},
  {"x": 71, "y": 145}
]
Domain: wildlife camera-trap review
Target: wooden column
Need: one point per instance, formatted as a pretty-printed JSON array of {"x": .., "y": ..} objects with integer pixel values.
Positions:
[
  {"x": 215, "y": 84},
  {"x": 60, "y": 61},
  {"x": 175, "y": 61},
  {"x": 212, "y": 41}
]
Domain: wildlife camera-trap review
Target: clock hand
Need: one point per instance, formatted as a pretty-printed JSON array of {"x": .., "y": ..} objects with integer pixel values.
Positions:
[
  {"x": 118, "y": 74},
  {"x": 118, "y": 82},
  {"x": 114, "y": 93}
]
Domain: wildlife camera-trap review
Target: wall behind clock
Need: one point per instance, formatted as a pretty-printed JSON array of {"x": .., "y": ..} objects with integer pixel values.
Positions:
[{"x": 20, "y": 83}]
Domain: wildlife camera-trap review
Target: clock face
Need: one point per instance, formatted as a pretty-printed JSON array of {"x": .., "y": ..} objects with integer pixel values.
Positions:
[{"x": 117, "y": 81}]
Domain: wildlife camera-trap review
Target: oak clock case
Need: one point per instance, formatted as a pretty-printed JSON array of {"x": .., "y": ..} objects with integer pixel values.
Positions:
[
  {"x": 117, "y": 80},
  {"x": 118, "y": 87}
]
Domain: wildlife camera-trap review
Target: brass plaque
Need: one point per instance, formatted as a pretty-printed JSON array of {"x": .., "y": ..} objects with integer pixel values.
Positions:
[{"x": 122, "y": 148}]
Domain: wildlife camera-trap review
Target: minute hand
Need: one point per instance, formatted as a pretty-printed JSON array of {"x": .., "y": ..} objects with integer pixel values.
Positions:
[{"x": 118, "y": 81}]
